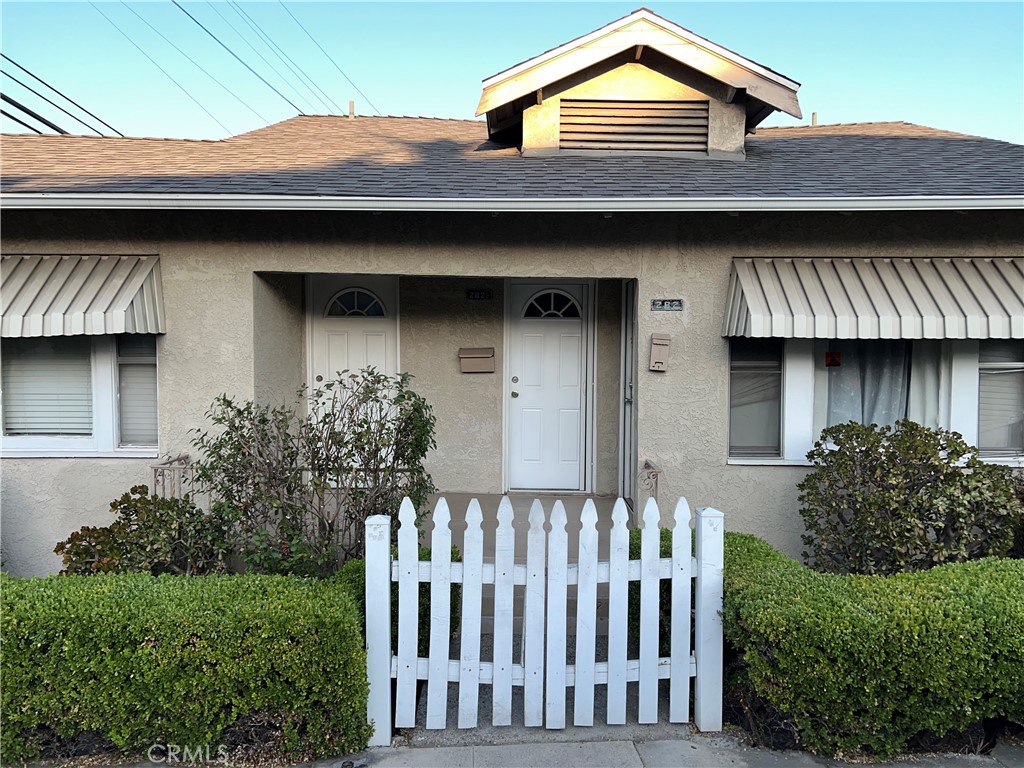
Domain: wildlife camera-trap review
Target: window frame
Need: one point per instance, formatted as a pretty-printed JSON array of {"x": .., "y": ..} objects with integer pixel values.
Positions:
[
  {"x": 958, "y": 402},
  {"x": 104, "y": 442}
]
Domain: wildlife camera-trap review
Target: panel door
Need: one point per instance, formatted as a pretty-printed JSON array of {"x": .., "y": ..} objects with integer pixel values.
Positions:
[
  {"x": 547, "y": 387},
  {"x": 354, "y": 325}
]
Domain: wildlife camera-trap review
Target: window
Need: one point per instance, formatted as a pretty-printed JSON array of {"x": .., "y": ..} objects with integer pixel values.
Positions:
[
  {"x": 863, "y": 381},
  {"x": 1001, "y": 397},
  {"x": 79, "y": 395},
  {"x": 755, "y": 398},
  {"x": 355, "y": 302},
  {"x": 552, "y": 304}
]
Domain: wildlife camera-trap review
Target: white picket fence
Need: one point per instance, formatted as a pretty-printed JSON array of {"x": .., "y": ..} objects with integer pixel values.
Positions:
[{"x": 546, "y": 578}]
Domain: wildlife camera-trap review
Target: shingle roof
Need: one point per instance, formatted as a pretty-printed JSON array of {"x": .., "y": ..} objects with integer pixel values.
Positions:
[{"x": 401, "y": 157}]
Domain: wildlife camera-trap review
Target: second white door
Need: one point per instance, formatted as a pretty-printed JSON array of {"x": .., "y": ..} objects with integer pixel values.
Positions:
[{"x": 547, "y": 387}]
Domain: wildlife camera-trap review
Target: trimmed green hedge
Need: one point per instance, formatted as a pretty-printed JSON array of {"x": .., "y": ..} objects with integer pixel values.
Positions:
[
  {"x": 175, "y": 660},
  {"x": 863, "y": 663}
]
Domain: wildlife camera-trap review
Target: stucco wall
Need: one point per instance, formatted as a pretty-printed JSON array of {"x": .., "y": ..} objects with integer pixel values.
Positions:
[
  {"x": 279, "y": 326},
  {"x": 43, "y": 501},
  {"x": 208, "y": 260}
]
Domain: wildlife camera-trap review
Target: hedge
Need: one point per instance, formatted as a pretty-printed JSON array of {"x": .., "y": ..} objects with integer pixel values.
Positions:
[
  {"x": 863, "y": 663},
  {"x": 150, "y": 660}
]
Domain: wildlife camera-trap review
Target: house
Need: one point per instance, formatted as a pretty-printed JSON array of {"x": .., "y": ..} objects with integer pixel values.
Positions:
[{"x": 618, "y": 275}]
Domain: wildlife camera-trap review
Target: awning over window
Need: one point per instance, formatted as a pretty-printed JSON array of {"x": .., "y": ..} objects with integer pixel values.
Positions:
[
  {"x": 80, "y": 295},
  {"x": 878, "y": 298}
]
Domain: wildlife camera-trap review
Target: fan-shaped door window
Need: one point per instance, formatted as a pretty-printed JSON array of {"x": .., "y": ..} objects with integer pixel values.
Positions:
[
  {"x": 552, "y": 303},
  {"x": 355, "y": 302}
]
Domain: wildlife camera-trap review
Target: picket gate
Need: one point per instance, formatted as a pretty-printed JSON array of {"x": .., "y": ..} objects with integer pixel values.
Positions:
[{"x": 545, "y": 578}]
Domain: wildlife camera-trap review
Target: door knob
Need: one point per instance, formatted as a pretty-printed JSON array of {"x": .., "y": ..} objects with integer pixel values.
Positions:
[
  {"x": 515, "y": 394},
  {"x": 319, "y": 379}
]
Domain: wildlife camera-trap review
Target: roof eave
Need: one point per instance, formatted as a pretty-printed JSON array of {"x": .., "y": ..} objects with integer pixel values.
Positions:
[{"x": 69, "y": 201}]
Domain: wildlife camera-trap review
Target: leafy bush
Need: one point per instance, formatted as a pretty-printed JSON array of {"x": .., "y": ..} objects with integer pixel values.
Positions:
[
  {"x": 303, "y": 478},
  {"x": 884, "y": 500},
  {"x": 864, "y": 663},
  {"x": 153, "y": 535},
  {"x": 173, "y": 660},
  {"x": 353, "y": 575}
]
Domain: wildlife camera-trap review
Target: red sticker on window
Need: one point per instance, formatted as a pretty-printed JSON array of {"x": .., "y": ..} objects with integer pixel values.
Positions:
[{"x": 833, "y": 359}]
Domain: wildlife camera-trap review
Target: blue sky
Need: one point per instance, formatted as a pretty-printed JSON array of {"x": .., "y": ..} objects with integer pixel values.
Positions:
[{"x": 958, "y": 66}]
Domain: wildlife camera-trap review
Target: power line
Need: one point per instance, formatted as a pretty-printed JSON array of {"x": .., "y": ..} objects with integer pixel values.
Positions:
[
  {"x": 197, "y": 64},
  {"x": 58, "y": 106},
  {"x": 72, "y": 101},
  {"x": 237, "y": 57},
  {"x": 180, "y": 86},
  {"x": 329, "y": 57},
  {"x": 9, "y": 116},
  {"x": 33, "y": 115},
  {"x": 326, "y": 100},
  {"x": 263, "y": 58}
]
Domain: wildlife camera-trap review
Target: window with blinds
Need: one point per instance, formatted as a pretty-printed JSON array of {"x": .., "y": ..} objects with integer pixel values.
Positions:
[
  {"x": 634, "y": 126},
  {"x": 755, "y": 397},
  {"x": 47, "y": 386},
  {"x": 1001, "y": 397},
  {"x": 136, "y": 388}
]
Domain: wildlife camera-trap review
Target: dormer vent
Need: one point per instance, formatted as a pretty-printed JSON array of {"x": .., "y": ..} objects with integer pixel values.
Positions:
[{"x": 633, "y": 126}]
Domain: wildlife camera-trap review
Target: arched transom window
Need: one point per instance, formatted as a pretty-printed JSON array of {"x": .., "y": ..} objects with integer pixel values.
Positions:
[
  {"x": 355, "y": 302},
  {"x": 552, "y": 303}
]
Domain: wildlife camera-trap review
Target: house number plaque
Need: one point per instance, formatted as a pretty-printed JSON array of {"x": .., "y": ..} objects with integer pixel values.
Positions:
[{"x": 666, "y": 305}]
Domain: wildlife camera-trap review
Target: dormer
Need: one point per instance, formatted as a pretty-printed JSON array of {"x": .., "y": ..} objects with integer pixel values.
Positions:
[{"x": 638, "y": 85}]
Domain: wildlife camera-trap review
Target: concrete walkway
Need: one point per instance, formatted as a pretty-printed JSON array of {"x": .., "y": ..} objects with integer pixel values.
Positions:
[{"x": 699, "y": 751}]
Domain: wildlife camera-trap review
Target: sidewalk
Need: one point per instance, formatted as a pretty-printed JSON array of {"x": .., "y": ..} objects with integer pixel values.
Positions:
[{"x": 699, "y": 751}]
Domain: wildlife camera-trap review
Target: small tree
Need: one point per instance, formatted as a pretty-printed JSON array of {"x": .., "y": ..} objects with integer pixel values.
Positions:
[
  {"x": 304, "y": 478},
  {"x": 885, "y": 500}
]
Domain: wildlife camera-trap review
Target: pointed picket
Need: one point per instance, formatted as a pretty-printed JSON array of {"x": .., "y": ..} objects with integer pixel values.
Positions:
[
  {"x": 650, "y": 545},
  {"x": 440, "y": 616},
  {"x": 618, "y": 610},
  {"x": 472, "y": 597},
  {"x": 682, "y": 574},
  {"x": 408, "y": 616},
  {"x": 504, "y": 573},
  {"x": 558, "y": 562},
  {"x": 533, "y": 620},
  {"x": 586, "y": 618}
]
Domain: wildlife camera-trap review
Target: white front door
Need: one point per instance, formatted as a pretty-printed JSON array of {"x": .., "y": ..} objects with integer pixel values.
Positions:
[
  {"x": 353, "y": 325},
  {"x": 547, "y": 386}
]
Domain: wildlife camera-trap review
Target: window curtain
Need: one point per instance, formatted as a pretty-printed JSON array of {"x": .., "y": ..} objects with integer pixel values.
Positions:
[{"x": 870, "y": 386}]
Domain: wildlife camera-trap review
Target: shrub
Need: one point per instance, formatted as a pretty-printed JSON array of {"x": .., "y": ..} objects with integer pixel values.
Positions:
[
  {"x": 864, "y": 663},
  {"x": 146, "y": 660},
  {"x": 303, "y": 478},
  {"x": 352, "y": 575},
  {"x": 884, "y": 500},
  {"x": 152, "y": 535}
]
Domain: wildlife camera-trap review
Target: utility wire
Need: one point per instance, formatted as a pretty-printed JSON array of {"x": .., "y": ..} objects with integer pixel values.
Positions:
[
  {"x": 9, "y": 116},
  {"x": 55, "y": 104},
  {"x": 197, "y": 64},
  {"x": 262, "y": 79},
  {"x": 324, "y": 99},
  {"x": 329, "y": 57},
  {"x": 143, "y": 52},
  {"x": 32, "y": 114},
  {"x": 36, "y": 77},
  {"x": 282, "y": 78}
]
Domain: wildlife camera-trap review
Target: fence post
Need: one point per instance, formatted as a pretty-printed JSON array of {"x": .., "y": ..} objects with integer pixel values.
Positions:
[
  {"x": 378, "y": 627},
  {"x": 707, "y": 709}
]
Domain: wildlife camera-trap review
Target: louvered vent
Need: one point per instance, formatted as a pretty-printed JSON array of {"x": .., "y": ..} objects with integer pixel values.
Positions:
[{"x": 651, "y": 126}]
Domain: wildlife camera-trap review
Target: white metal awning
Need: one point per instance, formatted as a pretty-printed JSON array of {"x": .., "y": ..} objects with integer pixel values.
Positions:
[
  {"x": 877, "y": 298},
  {"x": 80, "y": 295}
]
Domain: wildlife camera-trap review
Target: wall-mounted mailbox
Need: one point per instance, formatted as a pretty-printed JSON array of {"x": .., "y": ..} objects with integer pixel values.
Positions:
[
  {"x": 476, "y": 359},
  {"x": 661, "y": 343}
]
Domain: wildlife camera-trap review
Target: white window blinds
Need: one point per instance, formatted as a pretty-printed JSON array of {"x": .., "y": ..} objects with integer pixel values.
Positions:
[
  {"x": 136, "y": 376},
  {"x": 1001, "y": 396},
  {"x": 47, "y": 386}
]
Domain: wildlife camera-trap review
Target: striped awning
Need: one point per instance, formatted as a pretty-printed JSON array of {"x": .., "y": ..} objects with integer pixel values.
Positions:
[
  {"x": 80, "y": 295},
  {"x": 877, "y": 298}
]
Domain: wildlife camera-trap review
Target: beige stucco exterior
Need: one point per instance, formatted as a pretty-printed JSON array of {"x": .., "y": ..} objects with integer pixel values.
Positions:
[{"x": 236, "y": 324}]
